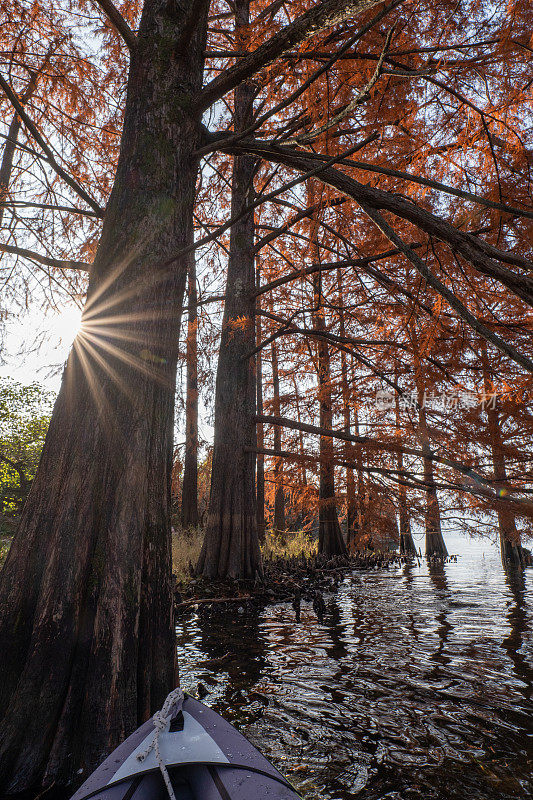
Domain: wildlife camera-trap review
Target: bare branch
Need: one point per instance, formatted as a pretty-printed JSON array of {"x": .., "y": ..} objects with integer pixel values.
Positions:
[
  {"x": 263, "y": 199},
  {"x": 118, "y": 22},
  {"x": 404, "y": 477},
  {"x": 477, "y": 252},
  {"x": 303, "y": 214},
  {"x": 367, "y": 441},
  {"x": 49, "y": 262},
  {"x": 326, "y": 266},
  {"x": 447, "y": 294},
  {"x": 34, "y": 132},
  {"x": 48, "y": 207},
  {"x": 442, "y": 187}
]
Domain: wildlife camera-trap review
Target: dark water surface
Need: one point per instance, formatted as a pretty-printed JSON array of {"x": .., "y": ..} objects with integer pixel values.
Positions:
[{"x": 416, "y": 685}]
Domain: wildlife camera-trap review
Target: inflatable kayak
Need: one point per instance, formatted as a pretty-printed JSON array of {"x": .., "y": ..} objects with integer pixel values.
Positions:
[{"x": 186, "y": 752}]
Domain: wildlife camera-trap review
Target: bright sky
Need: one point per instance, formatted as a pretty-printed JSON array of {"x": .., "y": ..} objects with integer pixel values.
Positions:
[{"x": 23, "y": 362}]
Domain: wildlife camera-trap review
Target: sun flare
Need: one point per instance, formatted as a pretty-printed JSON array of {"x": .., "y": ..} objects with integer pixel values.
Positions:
[{"x": 66, "y": 324}]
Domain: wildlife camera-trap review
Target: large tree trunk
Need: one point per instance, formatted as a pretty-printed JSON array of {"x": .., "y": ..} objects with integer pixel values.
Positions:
[
  {"x": 279, "y": 497},
  {"x": 231, "y": 545},
  {"x": 330, "y": 540},
  {"x": 86, "y": 629},
  {"x": 189, "y": 492},
  {"x": 435, "y": 545},
  {"x": 510, "y": 545},
  {"x": 260, "y": 432},
  {"x": 351, "y": 506},
  {"x": 407, "y": 545}
]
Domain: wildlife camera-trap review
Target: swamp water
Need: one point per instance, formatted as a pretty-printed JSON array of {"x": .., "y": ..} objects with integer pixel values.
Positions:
[{"x": 416, "y": 685}]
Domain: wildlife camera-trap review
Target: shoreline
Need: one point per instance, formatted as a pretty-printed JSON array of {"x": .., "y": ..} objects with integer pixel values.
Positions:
[{"x": 284, "y": 580}]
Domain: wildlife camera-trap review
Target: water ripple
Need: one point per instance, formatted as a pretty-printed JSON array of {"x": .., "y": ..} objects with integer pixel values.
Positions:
[{"x": 416, "y": 685}]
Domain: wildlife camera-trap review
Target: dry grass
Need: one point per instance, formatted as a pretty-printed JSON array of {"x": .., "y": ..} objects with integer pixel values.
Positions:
[
  {"x": 290, "y": 545},
  {"x": 186, "y": 546}
]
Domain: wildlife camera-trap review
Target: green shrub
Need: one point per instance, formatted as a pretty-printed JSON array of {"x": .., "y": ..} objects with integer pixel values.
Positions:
[{"x": 24, "y": 418}]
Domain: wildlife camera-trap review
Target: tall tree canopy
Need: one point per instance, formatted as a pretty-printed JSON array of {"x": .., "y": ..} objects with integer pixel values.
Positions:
[{"x": 353, "y": 179}]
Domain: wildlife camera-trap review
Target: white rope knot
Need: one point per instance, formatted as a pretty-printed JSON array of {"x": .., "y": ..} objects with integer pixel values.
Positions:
[{"x": 161, "y": 719}]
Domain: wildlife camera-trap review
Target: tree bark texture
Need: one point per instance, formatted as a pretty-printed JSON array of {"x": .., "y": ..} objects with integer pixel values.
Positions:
[
  {"x": 231, "y": 545},
  {"x": 435, "y": 545},
  {"x": 510, "y": 545},
  {"x": 86, "y": 628},
  {"x": 189, "y": 491},
  {"x": 407, "y": 545},
  {"x": 260, "y": 433},
  {"x": 280, "y": 523},
  {"x": 330, "y": 539}
]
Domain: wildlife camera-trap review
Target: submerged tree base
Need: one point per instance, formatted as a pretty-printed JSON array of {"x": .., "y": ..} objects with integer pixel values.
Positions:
[
  {"x": 331, "y": 541},
  {"x": 512, "y": 553},
  {"x": 435, "y": 545},
  {"x": 284, "y": 580},
  {"x": 407, "y": 545}
]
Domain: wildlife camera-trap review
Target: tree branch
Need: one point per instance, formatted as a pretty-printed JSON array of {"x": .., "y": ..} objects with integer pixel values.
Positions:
[
  {"x": 478, "y": 253},
  {"x": 118, "y": 22},
  {"x": 337, "y": 341},
  {"x": 442, "y": 187},
  {"x": 320, "y": 16},
  {"x": 326, "y": 266},
  {"x": 391, "y": 447},
  {"x": 260, "y": 200},
  {"x": 49, "y": 262},
  {"x": 34, "y": 132},
  {"x": 361, "y": 95},
  {"x": 447, "y": 294},
  {"x": 49, "y": 207},
  {"x": 288, "y": 327},
  {"x": 405, "y": 477},
  {"x": 303, "y": 214}
]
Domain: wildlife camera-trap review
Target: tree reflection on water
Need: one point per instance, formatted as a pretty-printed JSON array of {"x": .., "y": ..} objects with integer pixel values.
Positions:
[{"x": 415, "y": 685}]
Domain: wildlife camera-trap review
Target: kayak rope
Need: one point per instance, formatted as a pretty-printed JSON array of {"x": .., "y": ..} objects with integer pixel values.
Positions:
[{"x": 161, "y": 719}]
